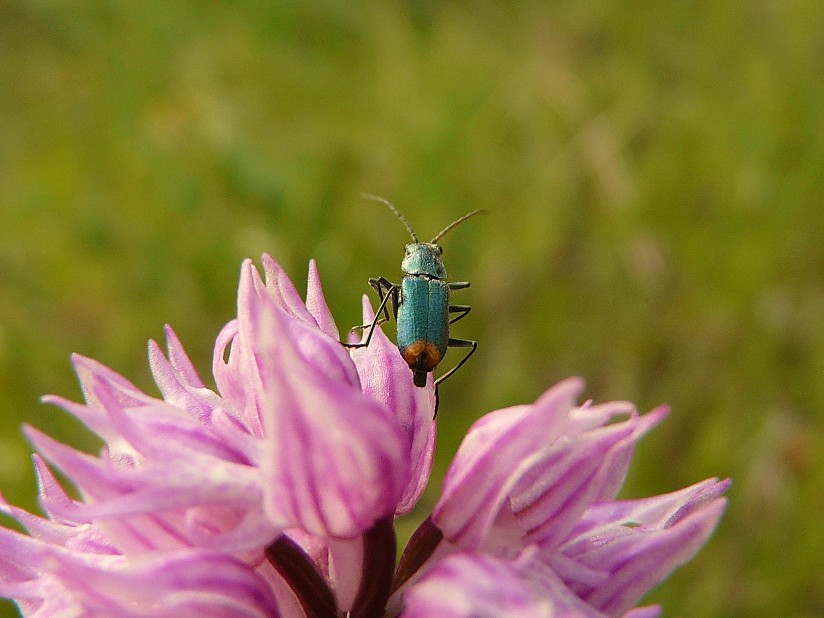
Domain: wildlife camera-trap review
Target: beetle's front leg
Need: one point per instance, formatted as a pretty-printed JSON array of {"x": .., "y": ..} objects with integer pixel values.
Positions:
[
  {"x": 380, "y": 284},
  {"x": 386, "y": 291}
]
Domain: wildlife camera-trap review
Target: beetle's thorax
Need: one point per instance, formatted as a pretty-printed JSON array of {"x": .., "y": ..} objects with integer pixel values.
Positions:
[{"x": 423, "y": 258}]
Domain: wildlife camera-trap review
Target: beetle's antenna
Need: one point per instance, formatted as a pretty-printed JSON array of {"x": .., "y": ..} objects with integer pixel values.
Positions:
[
  {"x": 378, "y": 198},
  {"x": 458, "y": 222}
]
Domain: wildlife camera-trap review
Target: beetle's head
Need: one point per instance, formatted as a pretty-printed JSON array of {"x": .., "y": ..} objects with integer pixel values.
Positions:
[{"x": 423, "y": 258}]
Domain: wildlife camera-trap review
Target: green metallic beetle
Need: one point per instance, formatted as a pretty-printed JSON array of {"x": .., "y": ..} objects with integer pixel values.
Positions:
[{"x": 420, "y": 304}]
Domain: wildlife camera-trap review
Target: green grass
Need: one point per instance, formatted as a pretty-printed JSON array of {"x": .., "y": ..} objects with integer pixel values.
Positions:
[{"x": 654, "y": 172}]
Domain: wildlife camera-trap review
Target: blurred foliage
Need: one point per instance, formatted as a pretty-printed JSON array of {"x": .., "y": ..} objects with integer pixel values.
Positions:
[{"x": 654, "y": 171}]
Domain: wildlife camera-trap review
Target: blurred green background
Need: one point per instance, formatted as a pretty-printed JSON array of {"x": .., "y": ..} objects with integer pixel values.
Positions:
[{"x": 655, "y": 172}]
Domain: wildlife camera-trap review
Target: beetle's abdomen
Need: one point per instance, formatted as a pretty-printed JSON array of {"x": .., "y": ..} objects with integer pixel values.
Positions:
[
  {"x": 422, "y": 355},
  {"x": 423, "y": 321}
]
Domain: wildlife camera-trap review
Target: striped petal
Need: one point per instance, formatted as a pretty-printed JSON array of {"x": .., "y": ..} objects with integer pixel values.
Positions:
[
  {"x": 496, "y": 452},
  {"x": 467, "y": 585},
  {"x": 333, "y": 462},
  {"x": 638, "y": 543},
  {"x": 387, "y": 378}
]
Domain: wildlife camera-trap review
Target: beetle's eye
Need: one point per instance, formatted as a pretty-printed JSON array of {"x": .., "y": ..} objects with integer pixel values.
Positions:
[{"x": 440, "y": 249}]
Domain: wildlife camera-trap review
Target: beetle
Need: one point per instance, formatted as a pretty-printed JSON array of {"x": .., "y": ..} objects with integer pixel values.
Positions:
[{"x": 420, "y": 304}]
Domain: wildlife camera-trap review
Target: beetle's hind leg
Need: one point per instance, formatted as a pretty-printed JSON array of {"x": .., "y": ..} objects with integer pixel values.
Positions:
[
  {"x": 386, "y": 291},
  {"x": 454, "y": 343},
  {"x": 458, "y": 343}
]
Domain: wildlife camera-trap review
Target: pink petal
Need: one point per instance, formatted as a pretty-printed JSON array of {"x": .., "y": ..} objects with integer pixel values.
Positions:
[
  {"x": 283, "y": 291},
  {"x": 316, "y": 303},
  {"x": 180, "y": 360},
  {"x": 334, "y": 457},
  {"x": 182, "y": 583},
  {"x": 83, "y": 538},
  {"x": 95, "y": 377},
  {"x": 658, "y": 535},
  {"x": 570, "y": 475},
  {"x": 323, "y": 353},
  {"x": 229, "y": 365},
  {"x": 491, "y": 459},
  {"x": 386, "y": 377},
  {"x": 466, "y": 585},
  {"x": 176, "y": 387}
]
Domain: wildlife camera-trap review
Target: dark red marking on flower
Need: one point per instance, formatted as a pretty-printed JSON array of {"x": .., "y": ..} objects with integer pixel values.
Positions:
[
  {"x": 379, "y": 549},
  {"x": 297, "y": 568},
  {"x": 424, "y": 541}
]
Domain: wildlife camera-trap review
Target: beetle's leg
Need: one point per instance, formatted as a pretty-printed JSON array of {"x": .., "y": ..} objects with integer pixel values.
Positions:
[
  {"x": 371, "y": 326},
  {"x": 460, "y": 309},
  {"x": 458, "y": 285},
  {"x": 458, "y": 343},
  {"x": 380, "y": 284},
  {"x": 391, "y": 294}
]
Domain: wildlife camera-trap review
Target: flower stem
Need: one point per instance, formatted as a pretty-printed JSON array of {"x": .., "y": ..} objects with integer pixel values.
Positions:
[
  {"x": 379, "y": 549},
  {"x": 297, "y": 568},
  {"x": 423, "y": 542}
]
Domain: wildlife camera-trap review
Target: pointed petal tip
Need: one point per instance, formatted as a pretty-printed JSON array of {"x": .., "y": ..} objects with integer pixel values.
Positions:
[
  {"x": 171, "y": 336},
  {"x": 715, "y": 492},
  {"x": 316, "y": 303},
  {"x": 79, "y": 361},
  {"x": 154, "y": 348},
  {"x": 704, "y": 500},
  {"x": 649, "y": 420},
  {"x": 648, "y": 611},
  {"x": 705, "y": 515},
  {"x": 51, "y": 400},
  {"x": 273, "y": 271},
  {"x": 658, "y": 413},
  {"x": 313, "y": 277},
  {"x": 247, "y": 272},
  {"x": 85, "y": 365},
  {"x": 67, "y": 405},
  {"x": 711, "y": 488},
  {"x": 267, "y": 260},
  {"x": 32, "y": 433},
  {"x": 246, "y": 289},
  {"x": 368, "y": 309},
  {"x": 573, "y": 382},
  {"x": 567, "y": 390},
  {"x": 573, "y": 385}
]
